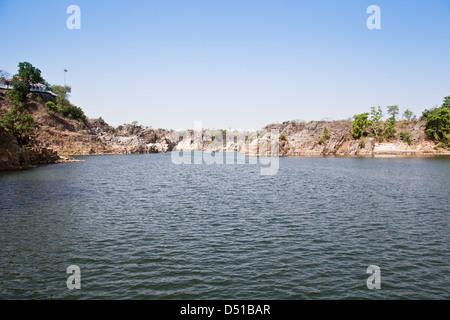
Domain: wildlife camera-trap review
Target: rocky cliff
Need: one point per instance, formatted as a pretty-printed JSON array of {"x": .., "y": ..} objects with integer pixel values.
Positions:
[
  {"x": 99, "y": 139},
  {"x": 57, "y": 137},
  {"x": 14, "y": 156},
  {"x": 307, "y": 139}
]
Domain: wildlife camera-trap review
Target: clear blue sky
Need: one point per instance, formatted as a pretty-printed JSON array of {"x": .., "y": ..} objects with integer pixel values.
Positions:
[{"x": 234, "y": 63}]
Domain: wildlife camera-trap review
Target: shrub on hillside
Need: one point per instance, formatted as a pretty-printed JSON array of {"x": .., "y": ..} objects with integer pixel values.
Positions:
[
  {"x": 74, "y": 112},
  {"x": 51, "y": 106},
  {"x": 325, "y": 136},
  {"x": 362, "y": 143},
  {"x": 406, "y": 136}
]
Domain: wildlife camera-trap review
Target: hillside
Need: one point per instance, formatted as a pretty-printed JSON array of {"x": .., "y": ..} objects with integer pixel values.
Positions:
[
  {"x": 56, "y": 137},
  {"x": 307, "y": 139}
]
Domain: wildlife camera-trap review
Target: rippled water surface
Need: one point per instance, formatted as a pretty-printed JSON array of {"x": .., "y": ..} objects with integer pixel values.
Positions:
[{"x": 140, "y": 227}]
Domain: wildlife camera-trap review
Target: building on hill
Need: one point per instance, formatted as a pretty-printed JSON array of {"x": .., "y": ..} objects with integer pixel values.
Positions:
[{"x": 35, "y": 87}]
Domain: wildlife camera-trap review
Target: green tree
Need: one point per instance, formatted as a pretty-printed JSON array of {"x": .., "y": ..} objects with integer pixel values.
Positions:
[
  {"x": 389, "y": 125},
  {"x": 19, "y": 91},
  {"x": 389, "y": 130},
  {"x": 22, "y": 82},
  {"x": 29, "y": 75},
  {"x": 376, "y": 118},
  {"x": 360, "y": 123},
  {"x": 437, "y": 124},
  {"x": 62, "y": 94},
  {"x": 19, "y": 123},
  {"x": 408, "y": 115},
  {"x": 74, "y": 112},
  {"x": 64, "y": 105},
  {"x": 446, "y": 103},
  {"x": 393, "y": 111}
]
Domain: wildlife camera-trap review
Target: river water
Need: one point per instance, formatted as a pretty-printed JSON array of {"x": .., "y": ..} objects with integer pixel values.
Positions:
[{"x": 141, "y": 227}]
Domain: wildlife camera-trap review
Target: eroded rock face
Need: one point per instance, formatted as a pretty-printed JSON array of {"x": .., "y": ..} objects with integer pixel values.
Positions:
[
  {"x": 13, "y": 156},
  {"x": 74, "y": 143},
  {"x": 57, "y": 136},
  {"x": 9, "y": 151},
  {"x": 306, "y": 139},
  {"x": 68, "y": 137}
]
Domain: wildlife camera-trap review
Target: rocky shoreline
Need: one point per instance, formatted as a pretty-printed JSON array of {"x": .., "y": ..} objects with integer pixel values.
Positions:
[
  {"x": 304, "y": 140},
  {"x": 58, "y": 139}
]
